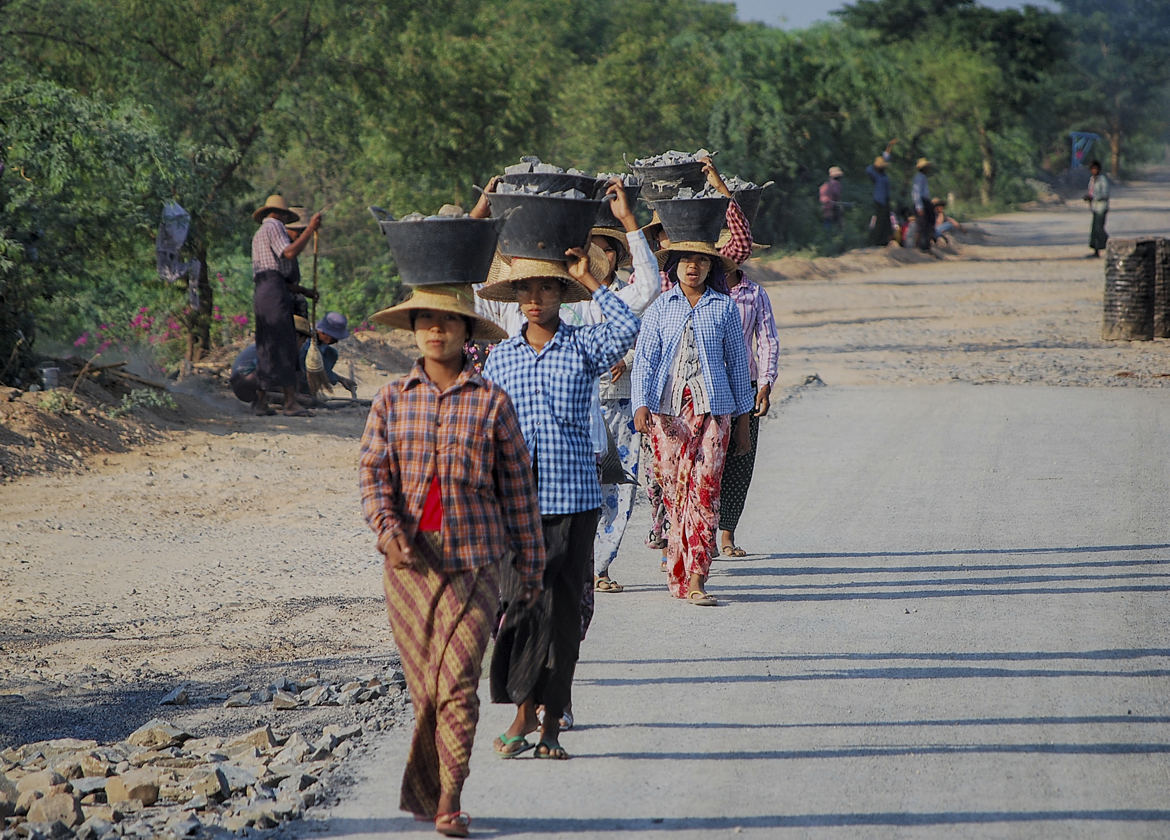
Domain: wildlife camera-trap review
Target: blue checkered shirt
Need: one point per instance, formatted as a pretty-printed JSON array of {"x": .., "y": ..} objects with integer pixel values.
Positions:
[
  {"x": 722, "y": 352},
  {"x": 552, "y": 391}
]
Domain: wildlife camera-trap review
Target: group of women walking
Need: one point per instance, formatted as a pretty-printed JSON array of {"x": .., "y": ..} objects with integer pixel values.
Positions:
[{"x": 482, "y": 487}]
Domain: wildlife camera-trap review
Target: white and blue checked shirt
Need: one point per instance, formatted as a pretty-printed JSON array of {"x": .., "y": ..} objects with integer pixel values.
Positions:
[
  {"x": 722, "y": 352},
  {"x": 552, "y": 391}
]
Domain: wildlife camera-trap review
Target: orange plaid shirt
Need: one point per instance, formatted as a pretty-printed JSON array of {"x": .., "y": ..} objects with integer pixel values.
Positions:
[{"x": 469, "y": 435}]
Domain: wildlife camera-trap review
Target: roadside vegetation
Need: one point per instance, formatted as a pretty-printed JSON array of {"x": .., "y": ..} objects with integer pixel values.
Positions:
[{"x": 108, "y": 110}]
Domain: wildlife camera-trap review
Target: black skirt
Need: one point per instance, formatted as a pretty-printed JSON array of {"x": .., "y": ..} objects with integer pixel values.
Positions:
[{"x": 276, "y": 336}]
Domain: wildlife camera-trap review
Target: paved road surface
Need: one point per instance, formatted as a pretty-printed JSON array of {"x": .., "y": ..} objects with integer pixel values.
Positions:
[{"x": 956, "y": 625}]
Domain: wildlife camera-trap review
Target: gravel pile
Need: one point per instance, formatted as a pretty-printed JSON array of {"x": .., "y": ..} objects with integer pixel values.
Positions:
[{"x": 163, "y": 781}]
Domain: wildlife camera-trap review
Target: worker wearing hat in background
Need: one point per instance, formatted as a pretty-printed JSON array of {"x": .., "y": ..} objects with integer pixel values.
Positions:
[
  {"x": 276, "y": 276},
  {"x": 330, "y": 329},
  {"x": 923, "y": 209},
  {"x": 881, "y": 229},
  {"x": 829, "y": 197}
]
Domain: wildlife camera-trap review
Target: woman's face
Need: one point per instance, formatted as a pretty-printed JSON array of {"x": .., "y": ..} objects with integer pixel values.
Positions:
[
  {"x": 440, "y": 336},
  {"x": 692, "y": 271},
  {"x": 540, "y": 299}
]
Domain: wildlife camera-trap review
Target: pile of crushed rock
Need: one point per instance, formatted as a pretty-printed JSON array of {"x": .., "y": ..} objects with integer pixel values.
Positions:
[{"x": 163, "y": 781}]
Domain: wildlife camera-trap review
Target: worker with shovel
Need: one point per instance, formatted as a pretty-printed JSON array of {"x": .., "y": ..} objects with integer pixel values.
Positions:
[{"x": 275, "y": 276}]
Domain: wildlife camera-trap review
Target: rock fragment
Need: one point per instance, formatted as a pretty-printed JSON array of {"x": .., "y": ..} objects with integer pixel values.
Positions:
[
  {"x": 283, "y": 701},
  {"x": 176, "y": 697},
  {"x": 262, "y": 738},
  {"x": 137, "y": 785},
  {"x": 158, "y": 734},
  {"x": 57, "y": 807},
  {"x": 40, "y": 781}
]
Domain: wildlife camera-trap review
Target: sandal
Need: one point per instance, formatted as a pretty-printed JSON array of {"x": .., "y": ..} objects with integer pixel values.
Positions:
[
  {"x": 551, "y": 751},
  {"x": 663, "y": 567},
  {"x": 566, "y": 721},
  {"x": 510, "y": 746},
  {"x": 455, "y": 824},
  {"x": 604, "y": 583},
  {"x": 700, "y": 598},
  {"x": 733, "y": 551}
]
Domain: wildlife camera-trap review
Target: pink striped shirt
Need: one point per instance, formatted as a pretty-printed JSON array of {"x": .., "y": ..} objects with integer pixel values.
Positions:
[{"x": 755, "y": 310}]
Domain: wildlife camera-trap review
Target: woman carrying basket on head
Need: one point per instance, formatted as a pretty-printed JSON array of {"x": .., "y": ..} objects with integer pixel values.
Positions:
[
  {"x": 447, "y": 486},
  {"x": 690, "y": 380}
]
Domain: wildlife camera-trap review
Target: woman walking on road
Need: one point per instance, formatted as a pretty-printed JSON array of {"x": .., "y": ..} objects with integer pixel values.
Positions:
[
  {"x": 763, "y": 346},
  {"x": 690, "y": 378},
  {"x": 550, "y": 370},
  {"x": 736, "y": 246},
  {"x": 447, "y": 486}
]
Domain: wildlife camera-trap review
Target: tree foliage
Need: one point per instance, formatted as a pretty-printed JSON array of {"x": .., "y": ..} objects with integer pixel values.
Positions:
[
  {"x": 80, "y": 190},
  {"x": 409, "y": 104}
]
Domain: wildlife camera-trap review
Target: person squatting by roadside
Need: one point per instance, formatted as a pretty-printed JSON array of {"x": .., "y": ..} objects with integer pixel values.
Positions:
[
  {"x": 276, "y": 278},
  {"x": 243, "y": 379},
  {"x": 447, "y": 487},
  {"x": 331, "y": 328},
  {"x": 550, "y": 369}
]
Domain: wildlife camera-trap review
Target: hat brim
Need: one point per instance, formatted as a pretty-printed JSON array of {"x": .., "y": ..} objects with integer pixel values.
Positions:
[
  {"x": 286, "y": 217},
  {"x": 707, "y": 248},
  {"x": 505, "y": 272},
  {"x": 618, "y": 236},
  {"x": 725, "y": 238},
  {"x": 456, "y": 299}
]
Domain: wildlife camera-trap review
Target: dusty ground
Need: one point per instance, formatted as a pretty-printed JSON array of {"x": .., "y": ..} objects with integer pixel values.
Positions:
[{"x": 208, "y": 547}]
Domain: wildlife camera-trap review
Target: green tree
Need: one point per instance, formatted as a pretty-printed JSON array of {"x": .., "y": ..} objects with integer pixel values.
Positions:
[
  {"x": 215, "y": 73},
  {"x": 1120, "y": 68},
  {"x": 81, "y": 181}
]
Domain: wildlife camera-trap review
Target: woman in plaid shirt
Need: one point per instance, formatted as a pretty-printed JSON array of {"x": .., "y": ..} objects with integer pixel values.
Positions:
[
  {"x": 690, "y": 379},
  {"x": 550, "y": 370},
  {"x": 447, "y": 486}
]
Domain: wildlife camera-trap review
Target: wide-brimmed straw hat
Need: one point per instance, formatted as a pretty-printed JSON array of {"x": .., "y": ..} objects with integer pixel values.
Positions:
[
  {"x": 618, "y": 237},
  {"x": 707, "y": 248},
  {"x": 725, "y": 238},
  {"x": 277, "y": 206},
  {"x": 880, "y": 162},
  {"x": 303, "y": 216},
  {"x": 505, "y": 271},
  {"x": 652, "y": 228},
  {"x": 836, "y": 172},
  {"x": 923, "y": 163},
  {"x": 457, "y": 298}
]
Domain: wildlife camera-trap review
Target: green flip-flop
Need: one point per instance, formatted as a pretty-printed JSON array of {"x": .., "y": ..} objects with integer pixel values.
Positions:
[{"x": 510, "y": 746}]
